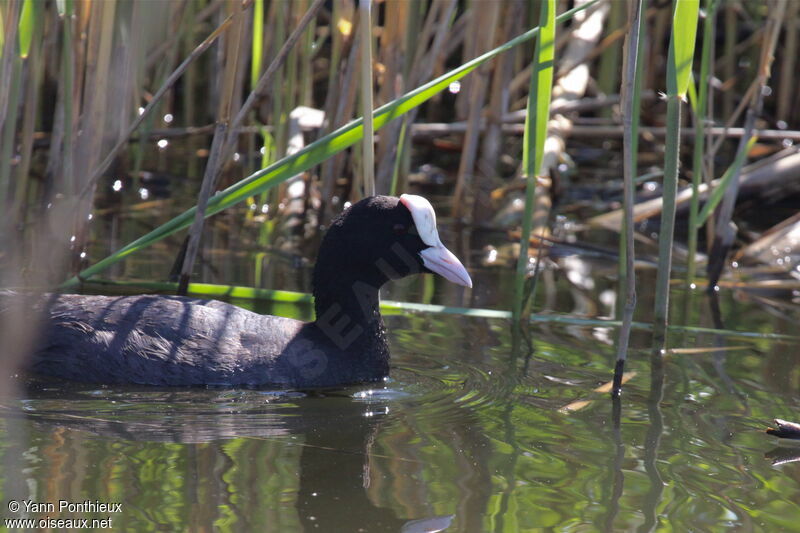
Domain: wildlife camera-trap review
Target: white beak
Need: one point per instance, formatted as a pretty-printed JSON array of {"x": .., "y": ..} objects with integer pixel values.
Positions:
[{"x": 440, "y": 260}]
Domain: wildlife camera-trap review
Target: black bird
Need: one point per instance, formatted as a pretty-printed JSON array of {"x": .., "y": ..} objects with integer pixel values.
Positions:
[{"x": 177, "y": 341}]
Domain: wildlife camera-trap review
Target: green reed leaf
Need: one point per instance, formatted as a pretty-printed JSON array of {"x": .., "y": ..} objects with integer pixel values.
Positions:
[
  {"x": 313, "y": 154},
  {"x": 681, "y": 46}
]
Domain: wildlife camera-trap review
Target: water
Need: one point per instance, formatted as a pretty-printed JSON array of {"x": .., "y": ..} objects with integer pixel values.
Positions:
[
  {"x": 465, "y": 432},
  {"x": 469, "y": 433}
]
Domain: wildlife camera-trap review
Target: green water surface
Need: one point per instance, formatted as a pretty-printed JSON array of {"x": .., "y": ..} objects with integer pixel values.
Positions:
[{"x": 465, "y": 432}]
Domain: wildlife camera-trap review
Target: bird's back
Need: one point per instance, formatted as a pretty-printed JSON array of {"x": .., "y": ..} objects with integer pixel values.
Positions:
[{"x": 162, "y": 340}]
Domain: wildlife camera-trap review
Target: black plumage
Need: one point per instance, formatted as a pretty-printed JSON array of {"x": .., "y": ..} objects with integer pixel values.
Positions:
[{"x": 177, "y": 341}]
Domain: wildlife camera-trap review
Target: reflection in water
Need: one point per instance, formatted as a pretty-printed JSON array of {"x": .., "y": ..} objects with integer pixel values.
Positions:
[
  {"x": 463, "y": 434},
  {"x": 780, "y": 456},
  {"x": 652, "y": 442},
  {"x": 616, "y": 475},
  {"x": 258, "y": 460}
]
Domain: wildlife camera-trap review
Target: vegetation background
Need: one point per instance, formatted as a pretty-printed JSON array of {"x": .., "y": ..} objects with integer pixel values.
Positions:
[{"x": 196, "y": 96}]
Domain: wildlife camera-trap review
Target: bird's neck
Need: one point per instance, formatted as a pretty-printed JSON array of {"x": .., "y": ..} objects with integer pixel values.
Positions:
[{"x": 348, "y": 311}]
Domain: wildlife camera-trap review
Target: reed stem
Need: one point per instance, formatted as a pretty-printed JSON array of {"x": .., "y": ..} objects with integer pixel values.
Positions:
[
  {"x": 368, "y": 163},
  {"x": 632, "y": 70},
  {"x": 700, "y": 118},
  {"x": 535, "y": 135},
  {"x": 679, "y": 63}
]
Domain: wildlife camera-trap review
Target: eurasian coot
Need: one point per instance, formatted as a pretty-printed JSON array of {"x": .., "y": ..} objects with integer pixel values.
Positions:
[{"x": 177, "y": 341}]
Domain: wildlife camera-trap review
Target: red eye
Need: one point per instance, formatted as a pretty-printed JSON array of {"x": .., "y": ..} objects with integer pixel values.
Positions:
[{"x": 400, "y": 229}]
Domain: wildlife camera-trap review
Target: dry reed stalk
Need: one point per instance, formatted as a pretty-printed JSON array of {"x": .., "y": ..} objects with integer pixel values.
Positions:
[
  {"x": 429, "y": 129},
  {"x": 13, "y": 74},
  {"x": 733, "y": 117},
  {"x": 291, "y": 69},
  {"x": 210, "y": 10},
  {"x": 522, "y": 74},
  {"x": 572, "y": 80},
  {"x": 787, "y": 84},
  {"x": 429, "y": 58},
  {"x": 708, "y": 159},
  {"x": 8, "y": 131},
  {"x": 498, "y": 107},
  {"x": 608, "y": 68},
  {"x": 478, "y": 84},
  {"x": 367, "y": 175},
  {"x": 80, "y": 54},
  {"x": 342, "y": 42},
  {"x": 274, "y": 66},
  {"x": 233, "y": 52},
  {"x": 279, "y": 17},
  {"x": 725, "y": 234},
  {"x": 189, "y": 97},
  {"x": 455, "y": 40},
  {"x": 92, "y": 127},
  {"x": 702, "y": 121},
  {"x": 308, "y": 52},
  {"x": 26, "y": 261},
  {"x": 168, "y": 47},
  {"x": 470, "y": 35},
  {"x": 35, "y": 67},
  {"x": 631, "y": 68},
  {"x": 767, "y": 174},
  {"x": 346, "y": 106},
  {"x": 154, "y": 101},
  {"x": 393, "y": 57},
  {"x": 283, "y": 96},
  {"x": 420, "y": 70},
  {"x": 342, "y": 112},
  {"x": 129, "y": 85},
  {"x": 730, "y": 59},
  {"x": 433, "y": 21},
  {"x": 59, "y": 161},
  {"x": 458, "y": 34},
  {"x": 10, "y": 18},
  {"x": 92, "y": 130}
]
